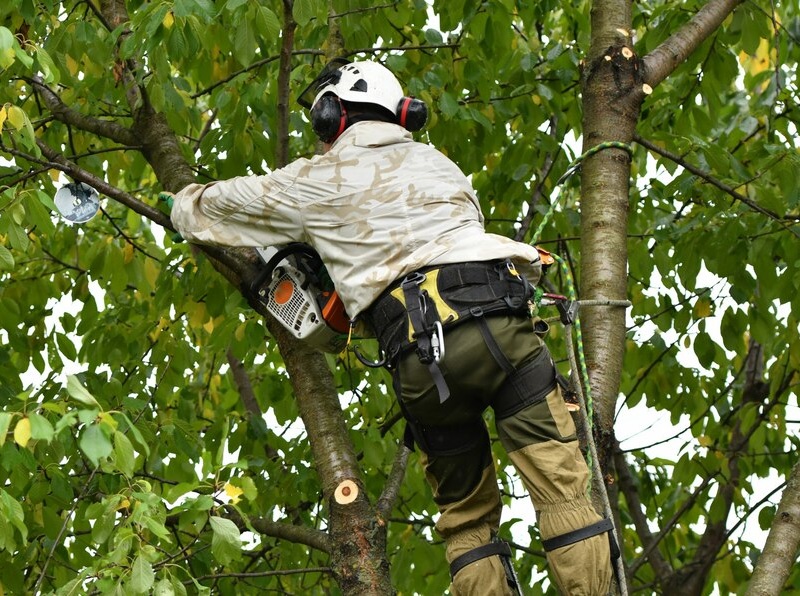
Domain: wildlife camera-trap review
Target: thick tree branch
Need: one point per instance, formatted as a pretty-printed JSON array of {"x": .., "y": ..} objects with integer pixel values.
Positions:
[
  {"x": 627, "y": 486},
  {"x": 243, "y": 384},
  {"x": 388, "y": 497},
  {"x": 284, "y": 75},
  {"x": 285, "y": 531},
  {"x": 74, "y": 171},
  {"x": 663, "y": 60},
  {"x": 70, "y": 117},
  {"x": 235, "y": 266},
  {"x": 780, "y": 552}
]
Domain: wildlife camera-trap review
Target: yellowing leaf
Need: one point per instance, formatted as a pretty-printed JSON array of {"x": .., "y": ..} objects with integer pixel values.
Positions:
[
  {"x": 151, "y": 272},
  {"x": 127, "y": 253},
  {"x": 72, "y": 65},
  {"x": 239, "y": 333},
  {"x": 234, "y": 492},
  {"x": 16, "y": 117},
  {"x": 163, "y": 324},
  {"x": 107, "y": 419},
  {"x": 197, "y": 315},
  {"x": 3, "y": 116},
  {"x": 702, "y": 308},
  {"x": 22, "y": 432},
  {"x": 169, "y": 20}
]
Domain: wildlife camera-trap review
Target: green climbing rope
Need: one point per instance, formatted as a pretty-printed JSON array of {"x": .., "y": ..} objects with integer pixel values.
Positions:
[
  {"x": 582, "y": 375},
  {"x": 571, "y": 169},
  {"x": 582, "y": 385}
]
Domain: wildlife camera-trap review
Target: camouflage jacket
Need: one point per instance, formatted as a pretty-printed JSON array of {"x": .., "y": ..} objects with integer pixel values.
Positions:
[{"x": 376, "y": 207}]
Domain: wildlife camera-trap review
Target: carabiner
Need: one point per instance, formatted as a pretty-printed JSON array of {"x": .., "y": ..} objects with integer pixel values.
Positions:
[{"x": 437, "y": 342}]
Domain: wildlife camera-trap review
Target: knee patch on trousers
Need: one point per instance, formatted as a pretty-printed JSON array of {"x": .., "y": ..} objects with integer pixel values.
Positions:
[
  {"x": 527, "y": 385},
  {"x": 443, "y": 441}
]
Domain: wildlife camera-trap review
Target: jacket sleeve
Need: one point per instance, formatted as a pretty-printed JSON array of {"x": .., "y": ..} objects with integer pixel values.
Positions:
[{"x": 244, "y": 211}]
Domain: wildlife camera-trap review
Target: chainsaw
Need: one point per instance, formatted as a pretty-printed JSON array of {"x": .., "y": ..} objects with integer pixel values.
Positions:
[{"x": 296, "y": 289}]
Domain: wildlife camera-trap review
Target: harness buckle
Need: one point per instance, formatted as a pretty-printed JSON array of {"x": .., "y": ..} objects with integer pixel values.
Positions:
[{"x": 416, "y": 278}]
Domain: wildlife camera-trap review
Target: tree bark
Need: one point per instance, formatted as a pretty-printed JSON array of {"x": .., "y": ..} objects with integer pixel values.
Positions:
[
  {"x": 781, "y": 550},
  {"x": 611, "y": 100}
]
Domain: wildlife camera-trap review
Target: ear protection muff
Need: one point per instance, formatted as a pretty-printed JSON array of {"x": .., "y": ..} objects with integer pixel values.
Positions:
[
  {"x": 412, "y": 113},
  {"x": 328, "y": 118}
]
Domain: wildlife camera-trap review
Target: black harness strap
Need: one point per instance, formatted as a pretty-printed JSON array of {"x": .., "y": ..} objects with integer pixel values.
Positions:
[
  {"x": 604, "y": 525},
  {"x": 491, "y": 343},
  {"x": 476, "y": 554}
]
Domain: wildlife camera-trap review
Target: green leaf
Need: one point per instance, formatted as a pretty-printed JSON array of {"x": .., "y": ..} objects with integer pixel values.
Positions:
[
  {"x": 124, "y": 457},
  {"x": 245, "y": 43},
  {"x": 51, "y": 74},
  {"x": 5, "y": 423},
  {"x": 6, "y": 259},
  {"x": 13, "y": 512},
  {"x": 164, "y": 588},
  {"x": 137, "y": 436},
  {"x": 40, "y": 427},
  {"x": 303, "y": 11},
  {"x": 77, "y": 391},
  {"x": 226, "y": 543},
  {"x": 142, "y": 575},
  {"x": 95, "y": 444},
  {"x": 268, "y": 23}
]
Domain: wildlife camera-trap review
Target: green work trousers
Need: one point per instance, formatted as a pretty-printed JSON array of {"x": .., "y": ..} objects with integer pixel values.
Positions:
[{"x": 540, "y": 440}]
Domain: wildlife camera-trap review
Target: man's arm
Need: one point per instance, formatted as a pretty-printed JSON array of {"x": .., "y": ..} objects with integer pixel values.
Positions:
[{"x": 243, "y": 211}]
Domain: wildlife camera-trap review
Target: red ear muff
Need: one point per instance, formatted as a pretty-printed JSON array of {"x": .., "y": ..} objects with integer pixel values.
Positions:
[
  {"x": 412, "y": 113},
  {"x": 328, "y": 118}
]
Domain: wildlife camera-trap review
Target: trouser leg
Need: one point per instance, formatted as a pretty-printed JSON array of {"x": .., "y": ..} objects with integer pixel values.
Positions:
[
  {"x": 469, "y": 517},
  {"x": 542, "y": 445},
  {"x": 541, "y": 442}
]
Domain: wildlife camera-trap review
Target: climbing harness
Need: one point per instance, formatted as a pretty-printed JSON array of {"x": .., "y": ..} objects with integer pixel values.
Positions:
[{"x": 414, "y": 313}]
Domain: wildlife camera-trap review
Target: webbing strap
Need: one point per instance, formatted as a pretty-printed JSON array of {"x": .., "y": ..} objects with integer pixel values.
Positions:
[
  {"x": 604, "y": 525},
  {"x": 491, "y": 343},
  {"x": 414, "y": 302},
  {"x": 478, "y": 553}
]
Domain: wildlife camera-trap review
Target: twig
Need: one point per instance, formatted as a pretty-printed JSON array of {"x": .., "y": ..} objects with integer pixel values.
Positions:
[
  {"x": 260, "y": 573},
  {"x": 714, "y": 182},
  {"x": 57, "y": 540}
]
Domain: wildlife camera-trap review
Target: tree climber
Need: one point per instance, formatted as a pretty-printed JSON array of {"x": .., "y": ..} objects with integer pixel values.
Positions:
[{"x": 400, "y": 230}]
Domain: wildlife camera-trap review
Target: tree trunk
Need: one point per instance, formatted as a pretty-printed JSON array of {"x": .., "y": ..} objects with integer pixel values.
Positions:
[
  {"x": 358, "y": 536},
  {"x": 611, "y": 100},
  {"x": 780, "y": 552}
]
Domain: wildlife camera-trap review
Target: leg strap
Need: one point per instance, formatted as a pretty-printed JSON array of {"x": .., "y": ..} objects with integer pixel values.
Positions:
[
  {"x": 478, "y": 553},
  {"x": 604, "y": 525}
]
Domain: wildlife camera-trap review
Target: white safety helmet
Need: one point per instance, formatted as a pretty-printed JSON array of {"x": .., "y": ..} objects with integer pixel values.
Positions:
[{"x": 365, "y": 82}]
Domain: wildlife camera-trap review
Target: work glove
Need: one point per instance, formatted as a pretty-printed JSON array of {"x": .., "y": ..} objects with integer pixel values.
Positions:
[{"x": 169, "y": 199}]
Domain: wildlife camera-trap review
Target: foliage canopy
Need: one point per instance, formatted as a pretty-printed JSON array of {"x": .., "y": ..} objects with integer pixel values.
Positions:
[{"x": 149, "y": 438}]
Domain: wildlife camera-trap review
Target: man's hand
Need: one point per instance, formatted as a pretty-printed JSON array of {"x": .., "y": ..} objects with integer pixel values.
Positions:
[{"x": 168, "y": 199}]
